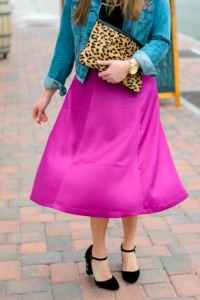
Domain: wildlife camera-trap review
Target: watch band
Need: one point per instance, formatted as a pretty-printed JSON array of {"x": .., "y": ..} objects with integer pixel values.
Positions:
[{"x": 132, "y": 60}]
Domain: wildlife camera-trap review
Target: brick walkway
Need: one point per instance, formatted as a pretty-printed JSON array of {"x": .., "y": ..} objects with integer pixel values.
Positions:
[{"x": 42, "y": 250}]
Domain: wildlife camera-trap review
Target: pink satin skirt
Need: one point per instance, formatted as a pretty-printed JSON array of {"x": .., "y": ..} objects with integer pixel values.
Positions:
[{"x": 107, "y": 155}]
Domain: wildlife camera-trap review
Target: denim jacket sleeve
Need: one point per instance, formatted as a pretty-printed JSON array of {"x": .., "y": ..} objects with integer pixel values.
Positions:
[
  {"x": 159, "y": 41},
  {"x": 63, "y": 58}
]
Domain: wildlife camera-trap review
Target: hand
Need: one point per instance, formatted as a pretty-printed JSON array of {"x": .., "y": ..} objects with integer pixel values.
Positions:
[
  {"x": 116, "y": 72},
  {"x": 38, "y": 113}
]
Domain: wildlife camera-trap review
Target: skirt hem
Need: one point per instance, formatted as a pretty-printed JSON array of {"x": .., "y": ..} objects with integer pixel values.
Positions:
[{"x": 112, "y": 214}]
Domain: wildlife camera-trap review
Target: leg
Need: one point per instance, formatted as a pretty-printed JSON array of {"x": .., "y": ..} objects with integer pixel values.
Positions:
[
  {"x": 100, "y": 268},
  {"x": 129, "y": 259}
]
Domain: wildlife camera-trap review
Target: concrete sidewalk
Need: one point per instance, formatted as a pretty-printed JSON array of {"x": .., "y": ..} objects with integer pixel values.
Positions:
[{"x": 41, "y": 249}]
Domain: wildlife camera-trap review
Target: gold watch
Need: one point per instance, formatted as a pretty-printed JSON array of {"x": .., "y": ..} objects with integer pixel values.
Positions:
[{"x": 133, "y": 66}]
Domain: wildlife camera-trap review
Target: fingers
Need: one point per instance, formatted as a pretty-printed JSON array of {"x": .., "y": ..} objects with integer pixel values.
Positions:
[
  {"x": 110, "y": 81},
  {"x": 34, "y": 113},
  {"x": 108, "y": 78},
  {"x": 105, "y": 73},
  {"x": 44, "y": 118},
  {"x": 105, "y": 62},
  {"x": 39, "y": 115}
]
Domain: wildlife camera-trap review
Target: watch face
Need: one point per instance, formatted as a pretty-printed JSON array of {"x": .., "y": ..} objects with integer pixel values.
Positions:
[{"x": 133, "y": 69}]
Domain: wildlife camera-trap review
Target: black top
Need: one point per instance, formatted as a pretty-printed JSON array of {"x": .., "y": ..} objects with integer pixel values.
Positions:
[{"x": 115, "y": 18}]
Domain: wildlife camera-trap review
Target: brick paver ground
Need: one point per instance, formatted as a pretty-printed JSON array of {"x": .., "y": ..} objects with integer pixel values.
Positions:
[{"x": 41, "y": 249}]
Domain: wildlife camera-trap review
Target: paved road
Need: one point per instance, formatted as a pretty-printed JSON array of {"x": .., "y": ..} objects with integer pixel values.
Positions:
[{"x": 188, "y": 17}]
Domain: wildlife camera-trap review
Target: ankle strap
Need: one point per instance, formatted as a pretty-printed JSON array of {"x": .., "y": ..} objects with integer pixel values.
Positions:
[
  {"x": 100, "y": 259},
  {"x": 133, "y": 250}
]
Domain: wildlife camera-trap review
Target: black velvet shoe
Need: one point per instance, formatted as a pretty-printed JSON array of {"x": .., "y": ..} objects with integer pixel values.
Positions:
[
  {"x": 128, "y": 276},
  {"x": 110, "y": 284}
]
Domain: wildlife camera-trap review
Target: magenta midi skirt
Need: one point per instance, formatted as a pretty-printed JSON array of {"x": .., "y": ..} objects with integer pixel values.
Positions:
[{"x": 107, "y": 155}]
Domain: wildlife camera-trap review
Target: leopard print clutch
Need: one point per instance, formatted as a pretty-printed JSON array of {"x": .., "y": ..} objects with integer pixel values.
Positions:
[{"x": 108, "y": 42}]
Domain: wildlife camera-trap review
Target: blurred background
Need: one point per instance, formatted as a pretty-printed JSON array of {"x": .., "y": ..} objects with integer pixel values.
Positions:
[{"x": 187, "y": 17}]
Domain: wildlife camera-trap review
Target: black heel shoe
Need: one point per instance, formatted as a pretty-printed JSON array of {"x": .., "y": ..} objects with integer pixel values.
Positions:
[
  {"x": 130, "y": 277},
  {"x": 110, "y": 284}
]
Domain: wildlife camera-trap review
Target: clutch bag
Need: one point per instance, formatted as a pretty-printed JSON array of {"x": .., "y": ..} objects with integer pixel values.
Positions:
[{"x": 109, "y": 42}]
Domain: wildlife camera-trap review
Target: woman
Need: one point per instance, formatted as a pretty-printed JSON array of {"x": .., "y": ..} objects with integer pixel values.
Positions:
[{"x": 107, "y": 155}]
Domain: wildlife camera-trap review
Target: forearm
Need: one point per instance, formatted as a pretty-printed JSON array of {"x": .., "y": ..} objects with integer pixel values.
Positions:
[{"x": 48, "y": 93}]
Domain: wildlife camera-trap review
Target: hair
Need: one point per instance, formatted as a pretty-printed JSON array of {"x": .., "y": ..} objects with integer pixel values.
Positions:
[{"x": 131, "y": 8}]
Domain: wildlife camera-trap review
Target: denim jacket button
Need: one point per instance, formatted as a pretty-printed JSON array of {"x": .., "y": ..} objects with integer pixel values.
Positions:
[{"x": 129, "y": 29}]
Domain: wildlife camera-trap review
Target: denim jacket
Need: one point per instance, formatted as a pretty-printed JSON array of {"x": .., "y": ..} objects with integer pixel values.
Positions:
[{"x": 152, "y": 30}]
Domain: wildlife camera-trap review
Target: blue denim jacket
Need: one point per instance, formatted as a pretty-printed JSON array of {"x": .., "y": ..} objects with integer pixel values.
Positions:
[{"x": 152, "y": 30}]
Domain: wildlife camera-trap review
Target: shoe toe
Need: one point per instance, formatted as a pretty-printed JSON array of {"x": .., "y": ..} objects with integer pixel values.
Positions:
[
  {"x": 131, "y": 277},
  {"x": 111, "y": 284}
]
